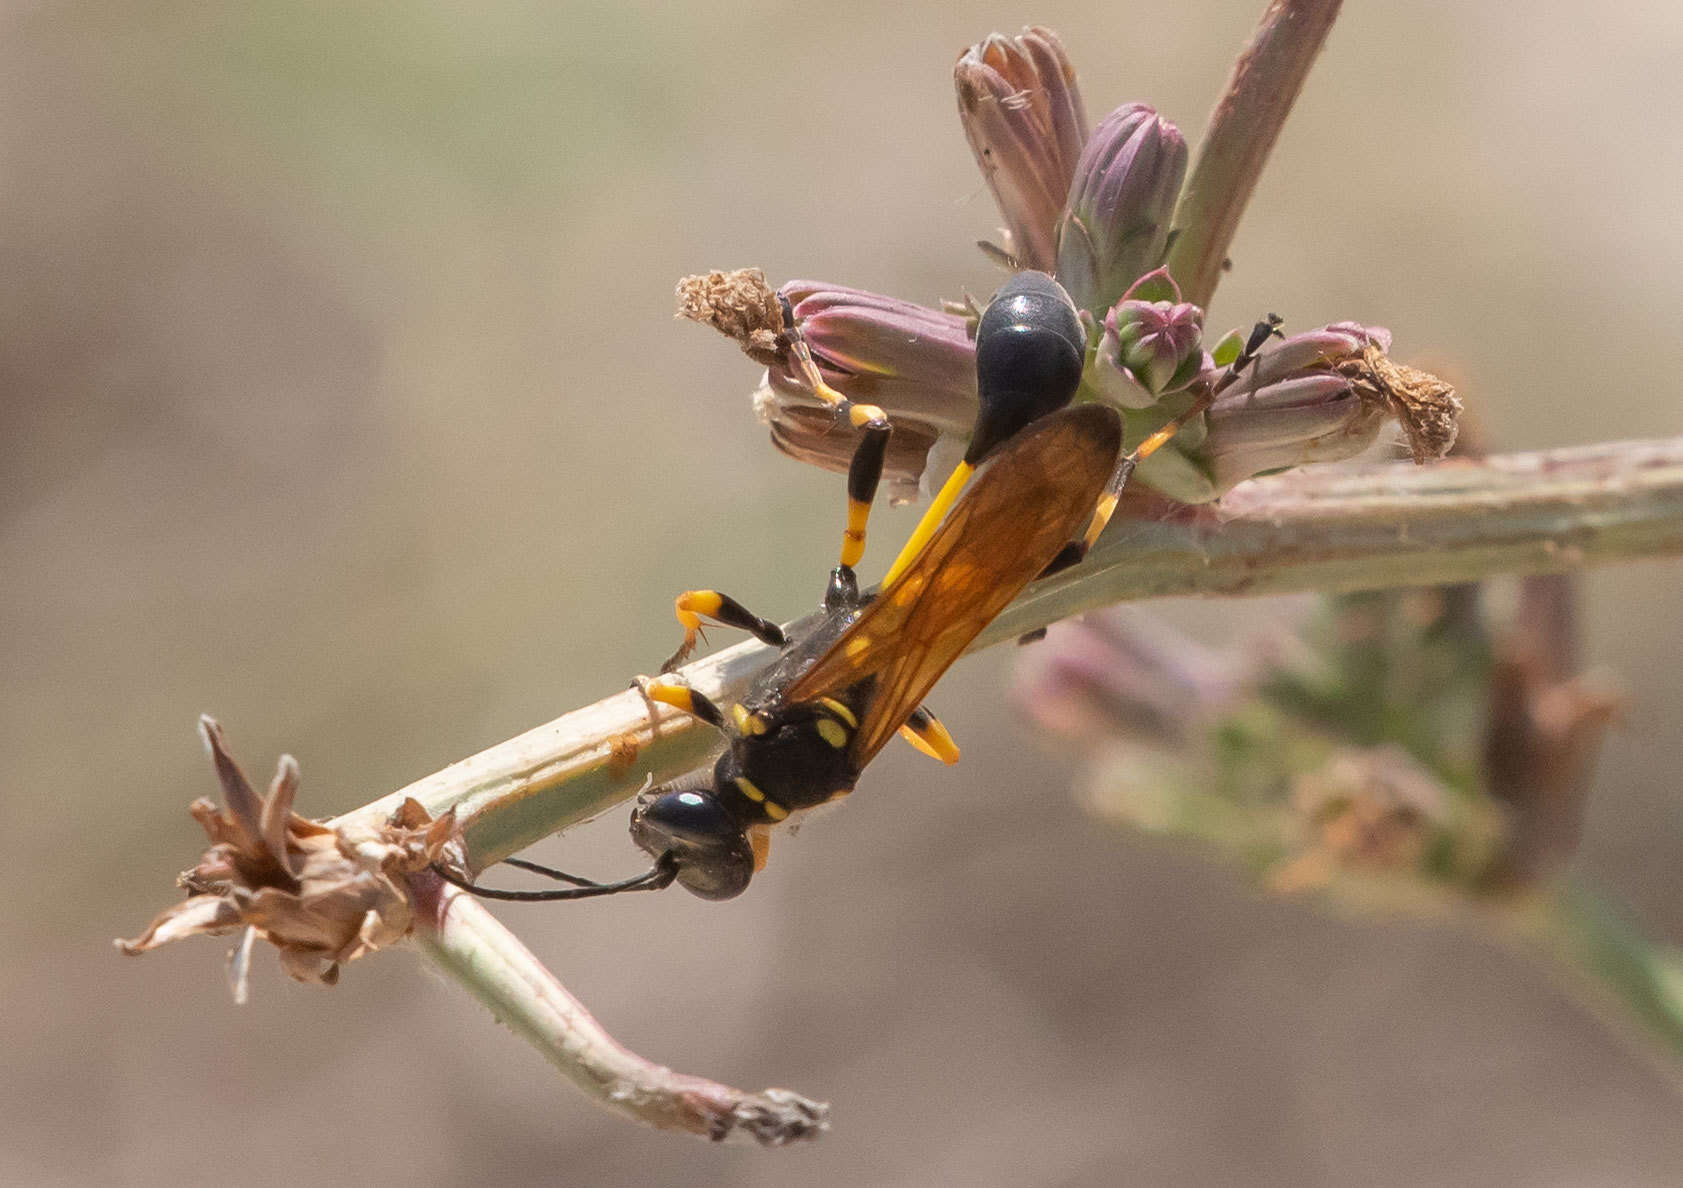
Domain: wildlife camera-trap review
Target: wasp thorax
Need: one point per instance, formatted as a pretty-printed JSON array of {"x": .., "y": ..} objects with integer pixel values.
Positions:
[
  {"x": 715, "y": 860},
  {"x": 1030, "y": 349}
]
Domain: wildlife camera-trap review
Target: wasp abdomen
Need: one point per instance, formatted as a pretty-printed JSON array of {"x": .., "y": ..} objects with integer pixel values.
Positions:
[{"x": 1030, "y": 350}]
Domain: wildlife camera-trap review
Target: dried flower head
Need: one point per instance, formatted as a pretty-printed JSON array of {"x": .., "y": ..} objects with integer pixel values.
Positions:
[
  {"x": 1425, "y": 406},
  {"x": 320, "y": 895},
  {"x": 1367, "y": 808},
  {"x": 738, "y": 304}
]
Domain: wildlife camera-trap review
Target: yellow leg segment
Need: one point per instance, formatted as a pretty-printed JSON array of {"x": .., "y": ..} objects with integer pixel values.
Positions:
[
  {"x": 690, "y": 606},
  {"x": 931, "y": 521},
  {"x": 1101, "y": 516},
  {"x": 865, "y": 471},
  {"x": 759, "y": 837},
  {"x": 853, "y": 539},
  {"x": 925, "y": 732},
  {"x": 1107, "y": 502},
  {"x": 668, "y": 693}
]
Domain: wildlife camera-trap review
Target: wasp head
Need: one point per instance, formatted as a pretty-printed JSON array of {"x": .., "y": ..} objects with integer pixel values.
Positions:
[{"x": 715, "y": 859}]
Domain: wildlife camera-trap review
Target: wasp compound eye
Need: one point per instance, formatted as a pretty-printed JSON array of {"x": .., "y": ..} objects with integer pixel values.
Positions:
[
  {"x": 715, "y": 859},
  {"x": 1030, "y": 348}
]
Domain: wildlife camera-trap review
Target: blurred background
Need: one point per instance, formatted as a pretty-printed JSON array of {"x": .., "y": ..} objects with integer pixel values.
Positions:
[{"x": 340, "y": 397}]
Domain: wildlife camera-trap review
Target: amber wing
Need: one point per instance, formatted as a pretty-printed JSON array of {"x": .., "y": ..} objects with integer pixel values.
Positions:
[{"x": 1034, "y": 495}]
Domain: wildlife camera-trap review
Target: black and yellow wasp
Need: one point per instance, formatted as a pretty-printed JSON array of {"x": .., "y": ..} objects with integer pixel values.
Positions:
[
  {"x": 839, "y": 691},
  {"x": 819, "y": 714},
  {"x": 857, "y": 674}
]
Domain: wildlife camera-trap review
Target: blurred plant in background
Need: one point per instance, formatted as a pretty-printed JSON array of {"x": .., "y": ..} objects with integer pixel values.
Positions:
[{"x": 1398, "y": 755}]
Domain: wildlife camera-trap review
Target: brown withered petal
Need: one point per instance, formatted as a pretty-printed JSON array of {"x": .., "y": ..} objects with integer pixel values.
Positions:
[
  {"x": 738, "y": 304},
  {"x": 1425, "y": 405},
  {"x": 321, "y": 896},
  {"x": 200, "y": 915},
  {"x": 277, "y": 811},
  {"x": 245, "y": 812}
]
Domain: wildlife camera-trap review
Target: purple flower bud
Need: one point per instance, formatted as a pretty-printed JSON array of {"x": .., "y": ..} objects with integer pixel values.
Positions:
[
  {"x": 1022, "y": 113},
  {"x": 1116, "y": 226},
  {"x": 1305, "y": 400},
  {"x": 916, "y": 364}
]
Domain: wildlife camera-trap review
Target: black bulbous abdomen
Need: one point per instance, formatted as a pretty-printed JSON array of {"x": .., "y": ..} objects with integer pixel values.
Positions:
[{"x": 1030, "y": 350}]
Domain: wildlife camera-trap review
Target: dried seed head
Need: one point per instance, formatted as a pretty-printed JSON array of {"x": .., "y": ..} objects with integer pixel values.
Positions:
[
  {"x": 322, "y": 896},
  {"x": 738, "y": 304},
  {"x": 1426, "y": 406}
]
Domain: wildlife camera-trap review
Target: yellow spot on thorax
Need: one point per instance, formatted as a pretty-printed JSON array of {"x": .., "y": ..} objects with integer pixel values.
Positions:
[
  {"x": 746, "y": 723},
  {"x": 839, "y": 708}
]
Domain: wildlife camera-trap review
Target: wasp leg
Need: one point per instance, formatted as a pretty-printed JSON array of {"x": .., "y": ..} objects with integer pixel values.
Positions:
[
  {"x": 693, "y": 606},
  {"x": 925, "y": 732},
  {"x": 759, "y": 838},
  {"x": 865, "y": 471},
  {"x": 697, "y": 705}
]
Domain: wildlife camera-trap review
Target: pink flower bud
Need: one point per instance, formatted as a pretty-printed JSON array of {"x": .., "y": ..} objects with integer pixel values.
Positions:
[{"x": 1022, "y": 113}]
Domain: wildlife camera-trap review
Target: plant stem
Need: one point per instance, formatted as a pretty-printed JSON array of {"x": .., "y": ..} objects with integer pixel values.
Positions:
[
  {"x": 466, "y": 941},
  {"x": 1633, "y": 984},
  {"x": 1320, "y": 528},
  {"x": 1243, "y": 128}
]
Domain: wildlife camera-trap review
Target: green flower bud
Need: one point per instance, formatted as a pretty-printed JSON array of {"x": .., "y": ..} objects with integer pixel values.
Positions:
[{"x": 1156, "y": 341}]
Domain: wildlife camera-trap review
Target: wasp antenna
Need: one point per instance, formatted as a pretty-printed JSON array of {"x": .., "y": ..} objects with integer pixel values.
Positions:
[{"x": 657, "y": 877}]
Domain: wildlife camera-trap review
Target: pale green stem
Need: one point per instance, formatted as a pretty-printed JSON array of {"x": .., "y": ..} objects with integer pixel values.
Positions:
[
  {"x": 1243, "y": 127},
  {"x": 1317, "y": 529},
  {"x": 456, "y": 932},
  {"x": 1632, "y": 984}
]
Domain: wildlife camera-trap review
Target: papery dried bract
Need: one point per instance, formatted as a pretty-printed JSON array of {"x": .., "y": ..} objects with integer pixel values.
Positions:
[
  {"x": 1023, "y": 116},
  {"x": 322, "y": 896}
]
